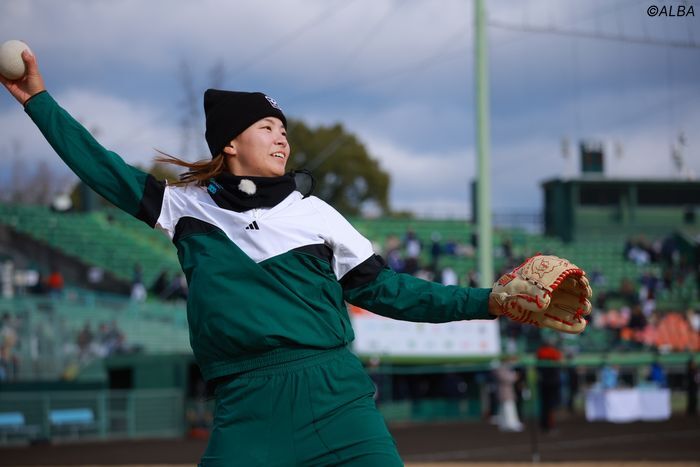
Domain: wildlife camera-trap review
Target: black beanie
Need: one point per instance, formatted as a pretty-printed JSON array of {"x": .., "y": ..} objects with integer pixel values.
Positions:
[{"x": 229, "y": 113}]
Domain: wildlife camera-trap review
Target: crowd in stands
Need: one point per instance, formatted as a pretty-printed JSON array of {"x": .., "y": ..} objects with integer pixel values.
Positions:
[
  {"x": 164, "y": 287},
  {"x": 104, "y": 341},
  {"x": 169, "y": 288},
  {"x": 404, "y": 254},
  {"x": 629, "y": 313},
  {"x": 665, "y": 253},
  {"x": 45, "y": 341},
  {"x": 9, "y": 339},
  {"x": 33, "y": 282}
]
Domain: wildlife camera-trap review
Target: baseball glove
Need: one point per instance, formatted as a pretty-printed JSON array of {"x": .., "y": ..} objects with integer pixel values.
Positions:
[{"x": 545, "y": 291}]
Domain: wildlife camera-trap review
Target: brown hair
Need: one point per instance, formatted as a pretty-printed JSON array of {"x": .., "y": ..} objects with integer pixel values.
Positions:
[{"x": 198, "y": 172}]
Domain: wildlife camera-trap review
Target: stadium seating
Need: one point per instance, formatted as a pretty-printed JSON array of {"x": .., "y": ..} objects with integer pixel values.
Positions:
[
  {"x": 116, "y": 241},
  {"x": 54, "y": 324},
  {"x": 109, "y": 239}
]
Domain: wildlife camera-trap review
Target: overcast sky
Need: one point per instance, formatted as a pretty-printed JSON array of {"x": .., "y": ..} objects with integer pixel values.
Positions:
[{"x": 399, "y": 74}]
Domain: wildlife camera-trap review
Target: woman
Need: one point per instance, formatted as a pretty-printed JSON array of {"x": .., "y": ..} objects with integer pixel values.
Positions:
[
  {"x": 507, "y": 377},
  {"x": 269, "y": 270}
]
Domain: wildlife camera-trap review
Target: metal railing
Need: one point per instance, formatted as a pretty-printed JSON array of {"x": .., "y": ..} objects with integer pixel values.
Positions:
[{"x": 84, "y": 415}]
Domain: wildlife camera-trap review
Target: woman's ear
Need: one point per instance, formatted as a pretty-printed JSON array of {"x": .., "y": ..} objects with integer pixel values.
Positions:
[{"x": 230, "y": 149}]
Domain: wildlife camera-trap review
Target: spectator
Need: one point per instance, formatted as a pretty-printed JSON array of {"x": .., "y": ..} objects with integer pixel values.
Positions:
[
  {"x": 633, "y": 332},
  {"x": 639, "y": 255},
  {"x": 473, "y": 278},
  {"x": 116, "y": 339},
  {"x": 54, "y": 283},
  {"x": 693, "y": 318},
  {"x": 177, "y": 289},
  {"x": 649, "y": 285},
  {"x": 637, "y": 321},
  {"x": 109, "y": 340},
  {"x": 549, "y": 358},
  {"x": 669, "y": 250},
  {"x": 512, "y": 332},
  {"x": 449, "y": 276},
  {"x": 160, "y": 285},
  {"x": 572, "y": 382},
  {"x": 138, "y": 290},
  {"x": 667, "y": 278},
  {"x": 39, "y": 286},
  {"x": 395, "y": 261},
  {"x": 507, "y": 249},
  {"x": 600, "y": 302},
  {"x": 598, "y": 279},
  {"x": 491, "y": 385},
  {"x": 435, "y": 249},
  {"x": 506, "y": 378},
  {"x": 692, "y": 379},
  {"x": 84, "y": 342},
  {"x": 451, "y": 247},
  {"x": 9, "y": 363},
  {"x": 413, "y": 248},
  {"x": 95, "y": 275},
  {"x": 627, "y": 291},
  {"x": 650, "y": 333},
  {"x": 657, "y": 375},
  {"x": 608, "y": 375}
]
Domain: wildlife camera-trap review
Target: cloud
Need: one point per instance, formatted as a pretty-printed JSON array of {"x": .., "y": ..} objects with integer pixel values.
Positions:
[
  {"x": 128, "y": 128},
  {"x": 432, "y": 184},
  {"x": 397, "y": 73}
]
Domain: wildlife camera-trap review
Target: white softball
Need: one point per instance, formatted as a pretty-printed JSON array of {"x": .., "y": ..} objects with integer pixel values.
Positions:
[{"x": 11, "y": 63}]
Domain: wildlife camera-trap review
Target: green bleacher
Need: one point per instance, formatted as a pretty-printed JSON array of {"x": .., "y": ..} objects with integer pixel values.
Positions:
[
  {"x": 111, "y": 240},
  {"x": 54, "y": 322},
  {"x": 116, "y": 241}
]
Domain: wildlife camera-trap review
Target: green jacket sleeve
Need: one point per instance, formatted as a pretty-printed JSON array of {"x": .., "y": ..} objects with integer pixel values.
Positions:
[
  {"x": 408, "y": 298},
  {"x": 127, "y": 187}
]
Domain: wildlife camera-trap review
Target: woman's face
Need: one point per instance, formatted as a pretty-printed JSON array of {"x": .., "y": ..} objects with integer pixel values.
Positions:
[{"x": 261, "y": 150}]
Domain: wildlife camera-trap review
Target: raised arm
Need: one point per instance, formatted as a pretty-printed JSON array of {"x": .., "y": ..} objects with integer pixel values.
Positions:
[{"x": 127, "y": 187}]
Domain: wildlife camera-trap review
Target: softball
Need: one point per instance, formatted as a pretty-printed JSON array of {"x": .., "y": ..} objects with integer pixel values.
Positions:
[{"x": 11, "y": 63}]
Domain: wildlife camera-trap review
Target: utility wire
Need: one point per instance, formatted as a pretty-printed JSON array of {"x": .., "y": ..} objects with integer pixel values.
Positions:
[
  {"x": 290, "y": 37},
  {"x": 275, "y": 46},
  {"x": 420, "y": 65},
  {"x": 365, "y": 40},
  {"x": 591, "y": 35}
]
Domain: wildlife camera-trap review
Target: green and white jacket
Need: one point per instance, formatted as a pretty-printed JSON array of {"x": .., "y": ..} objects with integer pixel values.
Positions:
[{"x": 266, "y": 285}]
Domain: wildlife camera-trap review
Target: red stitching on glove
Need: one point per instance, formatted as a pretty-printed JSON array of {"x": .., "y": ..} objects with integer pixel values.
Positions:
[
  {"x": 556, "y": 318},
  {"x": 566, "y": 274},
  {"x": 528, "y": 298},
  {"x": 522, "y": 318}
]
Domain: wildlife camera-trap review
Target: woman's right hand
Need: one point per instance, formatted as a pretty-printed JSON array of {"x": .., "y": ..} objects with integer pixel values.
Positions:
[{"x": 28, "y": 85}]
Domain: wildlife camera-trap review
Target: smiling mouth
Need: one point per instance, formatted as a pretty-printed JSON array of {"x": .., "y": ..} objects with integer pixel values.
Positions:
[{"x": 278, "y": 155}]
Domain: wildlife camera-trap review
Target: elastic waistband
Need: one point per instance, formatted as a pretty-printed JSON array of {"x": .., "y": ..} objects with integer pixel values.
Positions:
[{"x": 276, "y": 362}]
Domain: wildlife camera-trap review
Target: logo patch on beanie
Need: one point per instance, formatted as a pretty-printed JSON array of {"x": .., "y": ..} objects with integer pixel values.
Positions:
[{"x": 273, "y": 102}]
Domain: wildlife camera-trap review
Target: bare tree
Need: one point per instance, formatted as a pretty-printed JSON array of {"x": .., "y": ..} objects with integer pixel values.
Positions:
[{"x": 192, "y": 142}]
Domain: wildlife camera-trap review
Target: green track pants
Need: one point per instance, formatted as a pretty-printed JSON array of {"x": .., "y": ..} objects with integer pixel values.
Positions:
[{"x": 318, "y": 411}]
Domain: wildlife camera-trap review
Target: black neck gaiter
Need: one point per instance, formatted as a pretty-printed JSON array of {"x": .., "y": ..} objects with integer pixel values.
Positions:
[{"x": 243, "y": 193}]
